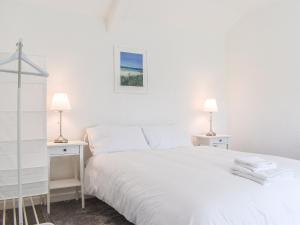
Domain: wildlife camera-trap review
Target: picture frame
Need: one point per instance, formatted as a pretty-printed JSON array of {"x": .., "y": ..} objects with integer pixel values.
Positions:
[{"x": 130, "y": 70}]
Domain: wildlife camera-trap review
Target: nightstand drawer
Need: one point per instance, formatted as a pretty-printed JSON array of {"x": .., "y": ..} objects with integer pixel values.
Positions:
[
  {"x": 64, "y": 150},
  {"x": 220, "y": 140}
]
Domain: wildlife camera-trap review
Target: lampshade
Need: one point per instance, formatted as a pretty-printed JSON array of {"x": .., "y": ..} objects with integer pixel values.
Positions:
[
  {"x": 60, "y": 102},
  {"x": 210, "y": 105}
]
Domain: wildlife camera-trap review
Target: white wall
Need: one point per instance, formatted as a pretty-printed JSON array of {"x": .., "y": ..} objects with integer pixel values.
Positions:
[
  {"x": 186, "y": 65},
  {"x": 264, "y": 80}
]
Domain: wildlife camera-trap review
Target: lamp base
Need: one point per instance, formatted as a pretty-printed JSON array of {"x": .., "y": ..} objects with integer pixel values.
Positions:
[
  {"x": 60, "y": 139},
  {"x": 211, "y": 133}
]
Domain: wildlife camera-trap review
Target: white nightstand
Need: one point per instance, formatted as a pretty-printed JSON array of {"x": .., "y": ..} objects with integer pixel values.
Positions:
[
  {"x": 220, "y": 141},
  {"x": 74, "y": 149}
]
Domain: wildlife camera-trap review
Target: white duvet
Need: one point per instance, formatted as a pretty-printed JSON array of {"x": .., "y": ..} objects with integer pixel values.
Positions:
[{"x": 191, "y": 186}]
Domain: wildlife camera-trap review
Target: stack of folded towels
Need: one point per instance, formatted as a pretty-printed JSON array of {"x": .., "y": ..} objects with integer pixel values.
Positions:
[{"x": 260, "y": 170}]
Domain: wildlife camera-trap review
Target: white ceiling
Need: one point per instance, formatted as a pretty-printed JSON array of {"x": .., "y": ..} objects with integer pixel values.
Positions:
[
  {"x": 177, "y": 11},
  {"x": 86, "y": 7},
  {"x": 93, "y": 7}
]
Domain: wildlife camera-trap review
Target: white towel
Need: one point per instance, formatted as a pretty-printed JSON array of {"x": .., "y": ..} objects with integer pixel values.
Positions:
[
  {"x": 263, "y": 177},
  {"x": 260, "y": 168},
  {"x": 255, "y": 164}
]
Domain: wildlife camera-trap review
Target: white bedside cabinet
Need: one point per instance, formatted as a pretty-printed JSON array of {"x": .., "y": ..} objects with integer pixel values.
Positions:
[
  {"x": 220, "y": 141},
  {"x": 73, "y": 149}
]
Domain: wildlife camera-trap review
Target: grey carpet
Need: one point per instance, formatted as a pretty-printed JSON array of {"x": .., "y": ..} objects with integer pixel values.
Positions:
[
  {"x": 9, "y": 219},
  {"x": 95, "y": 213},
  {"x": 70, "y": 213}
]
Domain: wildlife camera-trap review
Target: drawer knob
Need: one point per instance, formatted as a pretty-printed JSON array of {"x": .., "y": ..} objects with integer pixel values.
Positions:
[
  {"x": 65, "y": 149},
  {"x": 220, "y": 140}
]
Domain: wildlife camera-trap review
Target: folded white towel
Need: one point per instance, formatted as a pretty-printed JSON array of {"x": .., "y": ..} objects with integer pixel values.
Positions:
[
  {"x": 263, "y": 177},
  {"x": 258, "y": 169},
  {"x": 255, "y": 164}
]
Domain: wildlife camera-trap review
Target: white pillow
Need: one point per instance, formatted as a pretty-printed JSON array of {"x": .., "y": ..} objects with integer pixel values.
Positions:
[
  {"x": 116, "y": 139},
  {"x": 166, "y": 137}
]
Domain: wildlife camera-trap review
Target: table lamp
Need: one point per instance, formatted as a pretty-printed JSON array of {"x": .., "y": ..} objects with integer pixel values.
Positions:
[
  {"x": 60, "y": 103},
  {"x": 210, "y": 106}
]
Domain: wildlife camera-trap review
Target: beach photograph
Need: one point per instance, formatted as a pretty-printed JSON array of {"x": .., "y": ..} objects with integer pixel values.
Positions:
[{"x": 131, "y": 69}]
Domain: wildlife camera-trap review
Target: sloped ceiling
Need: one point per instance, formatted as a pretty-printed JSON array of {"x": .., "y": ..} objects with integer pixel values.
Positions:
[{"x": 223, "y": 13}]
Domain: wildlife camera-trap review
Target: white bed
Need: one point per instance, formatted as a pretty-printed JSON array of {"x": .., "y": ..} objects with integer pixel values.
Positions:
[{"x": 190, "y": 186}]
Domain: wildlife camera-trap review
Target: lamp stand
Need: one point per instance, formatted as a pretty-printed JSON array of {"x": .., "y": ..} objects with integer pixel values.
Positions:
[
  {"x": 60, "y": 139},
  {"x": 211, "y": 132}
]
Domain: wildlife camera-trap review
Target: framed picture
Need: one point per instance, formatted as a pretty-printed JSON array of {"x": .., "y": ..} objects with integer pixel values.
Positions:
[{"x": 131, "y": 75}]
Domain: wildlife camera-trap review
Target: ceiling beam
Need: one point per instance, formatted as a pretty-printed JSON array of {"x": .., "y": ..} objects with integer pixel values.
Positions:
[{"x": 113, "y": 15}]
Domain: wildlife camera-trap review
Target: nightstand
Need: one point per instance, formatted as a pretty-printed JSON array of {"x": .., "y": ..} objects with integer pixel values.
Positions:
[
  {"x": 220, "y": 141},
  {"x": 72, "y": 149}
]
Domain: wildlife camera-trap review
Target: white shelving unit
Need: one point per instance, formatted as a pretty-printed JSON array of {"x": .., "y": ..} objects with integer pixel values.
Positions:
[{"x": 23, "y": 132}]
